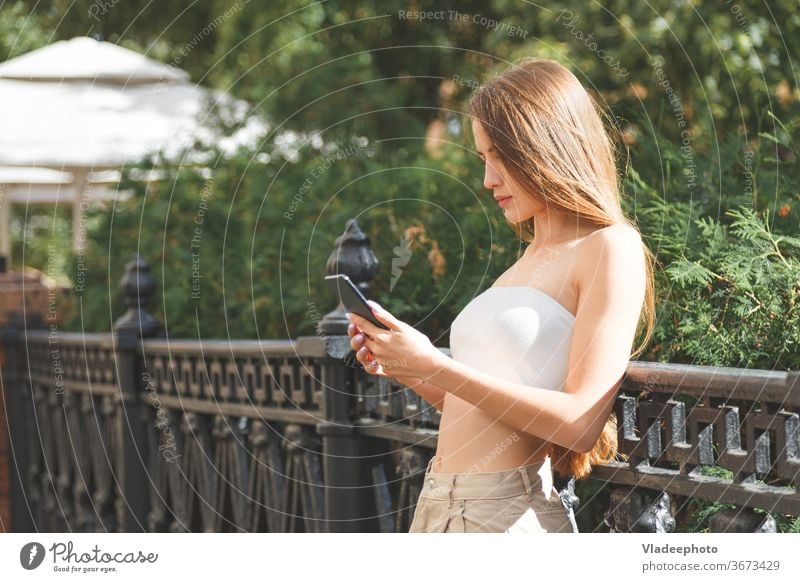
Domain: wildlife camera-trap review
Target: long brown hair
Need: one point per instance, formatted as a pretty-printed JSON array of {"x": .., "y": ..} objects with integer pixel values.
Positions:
[{"x": 550, "y": 134}]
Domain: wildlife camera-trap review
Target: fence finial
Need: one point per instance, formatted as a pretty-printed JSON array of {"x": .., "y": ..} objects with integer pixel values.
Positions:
[{"x": 137, "y": 286}]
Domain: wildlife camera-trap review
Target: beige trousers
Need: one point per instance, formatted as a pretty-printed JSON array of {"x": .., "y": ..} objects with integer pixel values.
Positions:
[{"x": 519, "y": 500}]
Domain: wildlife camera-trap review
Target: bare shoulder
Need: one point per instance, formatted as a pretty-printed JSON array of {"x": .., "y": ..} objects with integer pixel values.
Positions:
[
  {"x": 614, "y": 251},
  {"x": 617, "y": 239}
]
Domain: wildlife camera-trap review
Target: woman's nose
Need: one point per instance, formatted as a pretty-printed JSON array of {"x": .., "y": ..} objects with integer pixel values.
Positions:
[{"x": 491, "y": 178}]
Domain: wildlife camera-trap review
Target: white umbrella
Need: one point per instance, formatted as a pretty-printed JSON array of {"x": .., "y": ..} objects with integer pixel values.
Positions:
[{"x": 82, "y": 105}]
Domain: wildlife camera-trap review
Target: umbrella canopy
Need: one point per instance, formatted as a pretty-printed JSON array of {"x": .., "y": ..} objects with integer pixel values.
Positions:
[
  {"x": 83, "y": 105},
  {"x": 87, "y": 59}
]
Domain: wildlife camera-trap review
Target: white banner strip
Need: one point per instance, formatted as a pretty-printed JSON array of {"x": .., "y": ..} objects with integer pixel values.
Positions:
[{"x": 400, "y": 557}]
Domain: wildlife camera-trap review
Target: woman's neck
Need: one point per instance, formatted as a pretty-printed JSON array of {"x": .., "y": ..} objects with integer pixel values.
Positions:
[{"x": 553, "y": 229}]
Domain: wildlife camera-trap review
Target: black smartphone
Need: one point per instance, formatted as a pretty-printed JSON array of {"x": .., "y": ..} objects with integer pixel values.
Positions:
[{"x": 352, "y": 299}]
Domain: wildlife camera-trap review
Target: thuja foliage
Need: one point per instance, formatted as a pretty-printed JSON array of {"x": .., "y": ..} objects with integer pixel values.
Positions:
[{"x": 734, "y": 295}]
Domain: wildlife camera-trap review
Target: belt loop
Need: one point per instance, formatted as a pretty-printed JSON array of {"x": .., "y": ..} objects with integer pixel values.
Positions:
[
  {"x": 430, "y": 462},
  {"x": 527, "y": 480}
]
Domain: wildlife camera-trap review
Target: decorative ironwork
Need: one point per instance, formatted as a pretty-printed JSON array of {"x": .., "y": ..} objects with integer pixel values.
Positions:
[
  {"x": 676, "y": 419},
  {"x": 71, "y": 380}
]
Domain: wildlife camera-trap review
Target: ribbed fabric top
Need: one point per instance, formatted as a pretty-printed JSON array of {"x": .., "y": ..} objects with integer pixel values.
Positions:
[{"x": 517, "y": 333}]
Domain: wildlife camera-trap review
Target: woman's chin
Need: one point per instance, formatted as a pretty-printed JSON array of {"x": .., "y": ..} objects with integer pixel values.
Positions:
[{"x": 514, "y": 217}]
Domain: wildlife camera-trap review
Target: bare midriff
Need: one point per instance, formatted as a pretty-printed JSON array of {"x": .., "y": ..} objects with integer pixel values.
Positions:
[{"x": 471, "y": 441}]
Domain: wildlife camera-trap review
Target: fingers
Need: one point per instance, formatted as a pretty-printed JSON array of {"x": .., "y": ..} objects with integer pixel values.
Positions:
[
  {"x": 358, "y": 343},
  {"x": 366, "y": 326},
  {"x": 369, "y": 362},
  {"x": 356, "y": 337},
  {"x": 367, "y": 359},
  {"x": 363, "y": 354},
  {"x": 353, "y": 329}
]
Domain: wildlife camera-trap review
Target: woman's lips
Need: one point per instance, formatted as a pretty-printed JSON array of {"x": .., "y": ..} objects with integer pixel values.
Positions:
[{"x": 504, "y": 201}]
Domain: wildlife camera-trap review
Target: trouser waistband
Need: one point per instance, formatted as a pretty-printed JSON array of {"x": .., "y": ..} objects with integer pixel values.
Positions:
[{"x": 530, "y": 479}]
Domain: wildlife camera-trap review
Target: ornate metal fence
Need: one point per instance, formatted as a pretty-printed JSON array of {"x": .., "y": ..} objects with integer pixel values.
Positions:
[{"x": 128, "y": 431}]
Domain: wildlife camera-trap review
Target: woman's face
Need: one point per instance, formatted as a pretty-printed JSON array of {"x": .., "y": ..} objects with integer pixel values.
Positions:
[{"x": 518, "y": 205}]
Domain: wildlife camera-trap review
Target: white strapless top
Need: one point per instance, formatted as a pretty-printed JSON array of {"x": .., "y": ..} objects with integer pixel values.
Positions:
[{"x": 518, "y": 333}]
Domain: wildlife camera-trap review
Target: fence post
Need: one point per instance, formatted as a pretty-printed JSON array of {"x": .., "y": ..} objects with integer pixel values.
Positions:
[
  {"x": 18, "y": 407},
  {"x": 348, "y": 493},
  {"x": 133, "y": 502}
]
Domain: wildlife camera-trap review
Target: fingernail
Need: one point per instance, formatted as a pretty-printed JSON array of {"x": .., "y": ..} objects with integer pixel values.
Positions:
[
  {"x": 359, "y": 338},
  {"x": 347, "y": 315},
  {"x": 374, "y": 304}
]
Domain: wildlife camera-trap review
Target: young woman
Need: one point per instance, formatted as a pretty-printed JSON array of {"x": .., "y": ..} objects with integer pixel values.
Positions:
[{"x": 538, "y": 357}]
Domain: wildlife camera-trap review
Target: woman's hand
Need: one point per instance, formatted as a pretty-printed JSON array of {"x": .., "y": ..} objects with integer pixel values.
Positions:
[
  {"x": 400, "y": 351},
  {"x": 364, "y": 356}
]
